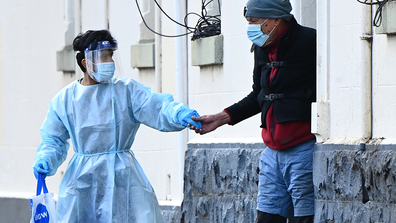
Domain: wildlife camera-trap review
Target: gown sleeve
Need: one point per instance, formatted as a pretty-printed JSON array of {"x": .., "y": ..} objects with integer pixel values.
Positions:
[
  {"x": 156, "y": 110},
  {"x": 55, "y": 136}
]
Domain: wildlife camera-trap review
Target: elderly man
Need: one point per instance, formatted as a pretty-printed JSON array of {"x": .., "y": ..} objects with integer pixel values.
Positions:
[{"x": 284, "y": 86}]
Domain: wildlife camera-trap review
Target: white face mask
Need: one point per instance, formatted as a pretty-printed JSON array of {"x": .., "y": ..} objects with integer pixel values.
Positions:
[
  {"x": 105, "y": 72},
  {"x": 257, "y": 36}
]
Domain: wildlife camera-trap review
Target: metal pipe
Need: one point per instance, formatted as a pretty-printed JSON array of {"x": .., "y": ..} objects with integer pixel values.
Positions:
[
  {"x": 107, "y": 15},
  {"x": 181, "y": 82},
  {"x": 69, "y": 21},
  {"x": 158, "y": 49},
  {"x": 366, "y": 72},
  {"x": 77, "y": 29}
]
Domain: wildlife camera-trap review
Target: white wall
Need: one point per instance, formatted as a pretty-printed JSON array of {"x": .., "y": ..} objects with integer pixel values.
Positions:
[
  {"x": 346, "y": 86},
  {"x": 36, "y": 30},
  {"x": 213, "y": 88},
  {"x": 384, "y": 86},
  {"x": 355, "y": 77},
  {"x": 30, "y": 34}
]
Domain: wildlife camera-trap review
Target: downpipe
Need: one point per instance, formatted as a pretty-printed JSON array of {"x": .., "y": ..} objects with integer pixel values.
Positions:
[
  {"x": 181, "y": 83},
  {"x": 366, "y": 72},
  {"x": 158, "y": 49}
]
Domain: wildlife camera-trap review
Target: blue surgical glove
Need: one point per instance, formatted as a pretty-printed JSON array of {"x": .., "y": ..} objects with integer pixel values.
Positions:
[
  {"x": 184, "y": 117},
  {"x": 43, "y": 167}
]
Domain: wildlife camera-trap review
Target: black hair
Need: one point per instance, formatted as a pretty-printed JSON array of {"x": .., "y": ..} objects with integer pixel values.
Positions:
[{"x": 84, "y": 40}]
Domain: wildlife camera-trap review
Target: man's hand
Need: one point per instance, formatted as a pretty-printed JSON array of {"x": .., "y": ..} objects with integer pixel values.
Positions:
[{"x": 210, "y": 122}]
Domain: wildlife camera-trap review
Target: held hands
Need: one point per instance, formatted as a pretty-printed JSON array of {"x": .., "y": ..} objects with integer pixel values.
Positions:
[
  {"x": 42, "y": 166},
  {"x": 210, "y": 122}
]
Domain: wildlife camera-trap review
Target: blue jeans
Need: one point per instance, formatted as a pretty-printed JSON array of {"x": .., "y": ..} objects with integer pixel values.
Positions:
[{"x": 286, "y": 180}]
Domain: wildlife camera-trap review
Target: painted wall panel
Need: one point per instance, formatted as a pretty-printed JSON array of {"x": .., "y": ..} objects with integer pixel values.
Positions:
[
  {"x": 31, "y": 33},
  {"x": 345, "y": 91},
  {"x": 94, "y": 15},
  {"x": 384, "y": 86},
  {"x": 213, "y": 88}
]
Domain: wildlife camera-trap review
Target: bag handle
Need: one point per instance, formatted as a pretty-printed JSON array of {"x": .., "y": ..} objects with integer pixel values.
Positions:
[{"x": 41, "y": 184}]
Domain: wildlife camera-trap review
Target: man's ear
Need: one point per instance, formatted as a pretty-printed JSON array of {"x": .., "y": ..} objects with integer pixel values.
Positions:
[{"x": 84, "y": 63}]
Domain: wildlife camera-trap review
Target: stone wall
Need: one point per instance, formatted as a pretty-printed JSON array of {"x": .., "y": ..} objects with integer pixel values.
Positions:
[
  {"x": 355, "y": 183},
  {"x": 172, "y": 214},
  {"x": 220, "y": 182}
]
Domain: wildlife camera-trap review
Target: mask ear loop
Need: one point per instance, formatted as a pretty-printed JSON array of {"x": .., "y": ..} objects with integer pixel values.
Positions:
[
  {"x": 261, "y": 25},
  {"x": 272, "y": 29},
  {"x": 263, "y": 22},
  {"x": 270, "y": 33}
]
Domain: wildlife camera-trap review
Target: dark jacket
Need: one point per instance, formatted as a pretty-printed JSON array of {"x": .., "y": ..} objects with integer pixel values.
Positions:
[{"x": 295, "y": 79}]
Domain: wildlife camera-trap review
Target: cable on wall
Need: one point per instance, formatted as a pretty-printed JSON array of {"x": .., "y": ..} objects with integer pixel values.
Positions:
[
  {"x": 207, "y": 25},
  {"x": 378, "y": 14}
]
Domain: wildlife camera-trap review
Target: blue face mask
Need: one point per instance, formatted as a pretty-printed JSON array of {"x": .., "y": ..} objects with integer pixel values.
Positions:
[
  {"x": 257, "y": 36},
  {"x": 105, "y": 72}
]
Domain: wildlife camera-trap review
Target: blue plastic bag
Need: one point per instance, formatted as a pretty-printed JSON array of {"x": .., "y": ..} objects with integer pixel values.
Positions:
[{"x": 42, "y": 206}]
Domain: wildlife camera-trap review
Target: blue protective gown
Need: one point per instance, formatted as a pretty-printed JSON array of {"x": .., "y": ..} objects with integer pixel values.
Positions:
[{"x": 104, "y": 182}]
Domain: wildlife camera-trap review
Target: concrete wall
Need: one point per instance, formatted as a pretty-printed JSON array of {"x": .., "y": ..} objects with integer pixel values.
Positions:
[
  {"x": 353, "y": 118},
  {"x": 30, "y": 33},
  {"x": 220, "y": 182},
  {"x": 215, "y": 87},
  {"x": 355, "y": 183},
  {"x": 354, "y": 74}
]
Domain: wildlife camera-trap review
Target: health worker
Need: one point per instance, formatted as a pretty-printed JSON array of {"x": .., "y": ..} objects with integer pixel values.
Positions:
[{"x": 101, "y": 114}]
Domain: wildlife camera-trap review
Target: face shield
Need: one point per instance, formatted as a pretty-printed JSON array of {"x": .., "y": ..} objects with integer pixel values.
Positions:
[{"x": 100, "y": 63}]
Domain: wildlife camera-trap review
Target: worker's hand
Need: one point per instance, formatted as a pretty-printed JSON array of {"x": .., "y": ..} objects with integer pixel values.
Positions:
[
  {"x": 42, "y": 166},
  {"x": 184, "y": 117},
  {"x": 211, "y": 122}
]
